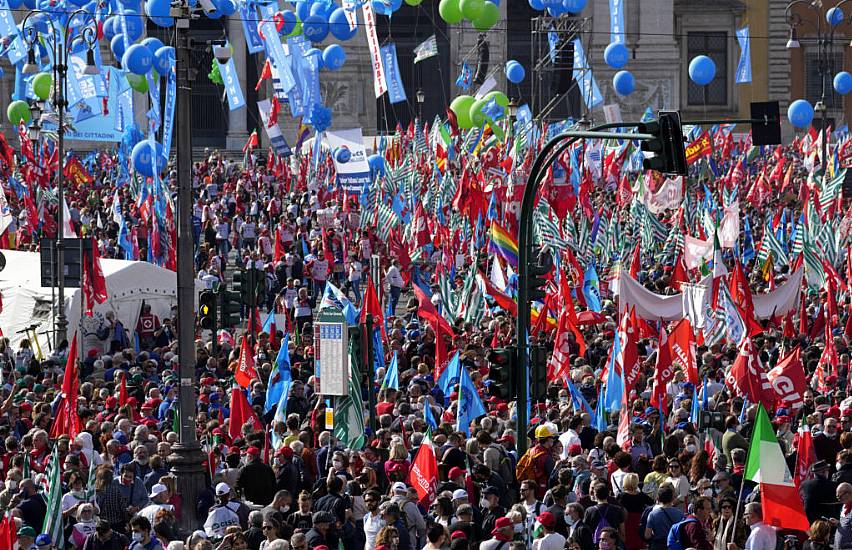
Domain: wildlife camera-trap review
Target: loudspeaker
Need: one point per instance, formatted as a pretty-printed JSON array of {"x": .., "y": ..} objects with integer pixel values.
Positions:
[
  {"x": 563, "y": 76},
  {"x": 483, "y": 57},
  {"x": 768, "y": 131}
]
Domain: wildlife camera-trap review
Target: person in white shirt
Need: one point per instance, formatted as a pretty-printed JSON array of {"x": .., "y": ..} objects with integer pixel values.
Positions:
[
  {"x": 319, "y": 274},
  {"x": 762, "y": 536},
  {"x": 395, "y": 283},
  {"x": 680, "y": 483},
  {"x": 159, "y": 496},
  {"x": 355, "y": 271},
  {"x": 373, "y": 522},
  {"x": 551, "y": 540}
]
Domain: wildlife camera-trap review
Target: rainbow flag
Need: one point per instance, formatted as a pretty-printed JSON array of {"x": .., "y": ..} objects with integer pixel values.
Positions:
[{"x": 503, "y": 244}]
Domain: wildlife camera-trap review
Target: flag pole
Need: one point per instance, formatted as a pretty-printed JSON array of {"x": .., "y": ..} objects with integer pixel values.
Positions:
[{"x": 740, "y": 492}]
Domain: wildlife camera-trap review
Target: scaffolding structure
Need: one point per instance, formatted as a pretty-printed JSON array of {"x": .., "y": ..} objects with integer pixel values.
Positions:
[{"x": 555, "y": 91}]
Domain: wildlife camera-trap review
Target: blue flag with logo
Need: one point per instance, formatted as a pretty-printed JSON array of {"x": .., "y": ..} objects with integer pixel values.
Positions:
[
  {"x": 470, "y": 405},
  {"x": 450, "y": 376},
  {"x": 614, "y": 383},
  {"x": 591, "y": 287},
  {"x": 392, "y": 376},
  {"x": 280, "y": 380},
  {"x": 396, "y": 90},
  {"x": 465, "y": 78},
  {"x": 592, "y": 96},
  {"x": 744, "y": 66}
]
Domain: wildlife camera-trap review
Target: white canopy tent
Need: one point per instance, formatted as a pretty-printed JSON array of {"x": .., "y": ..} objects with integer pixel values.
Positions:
[{"x": 26, "y": 302}]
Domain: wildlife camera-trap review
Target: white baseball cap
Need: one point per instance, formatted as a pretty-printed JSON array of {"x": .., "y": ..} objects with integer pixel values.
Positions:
[
  {"x": 399, "y": 487},
  {"x": 222, "y": 489},
  {"x": 158, "y": 489},
  {"x": 459, "y": 494}
]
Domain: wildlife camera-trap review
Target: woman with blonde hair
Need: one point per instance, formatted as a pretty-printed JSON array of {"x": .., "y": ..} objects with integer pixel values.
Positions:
[
  {"x": 398, "y": 463},
  {"x": 634, "y": 503}
]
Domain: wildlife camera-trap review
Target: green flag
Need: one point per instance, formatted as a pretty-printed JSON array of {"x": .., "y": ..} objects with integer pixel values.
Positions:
[
  {"x": 349, "y": 412},
  {"x": 53, "y": 519}
]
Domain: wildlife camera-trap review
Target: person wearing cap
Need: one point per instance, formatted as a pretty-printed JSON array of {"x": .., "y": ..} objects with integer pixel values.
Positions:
[
  {"x": 413, "y": 518},
  {"x": 222, "y": 515},
  {"x": 256, "y": 480},
  {"x": 501, "y": 535},
  {"x": 550, "y": 539},
  {"x": 455, "y": 480},
  {"x": 541, "y": 461},
  {"x": 323, "y": 533},
  {"x": 159, "y": 501},
  {"x": 489, "y": 504},
  {"x": 818, "y": 493},
  {"x": 26, "y": 538}
]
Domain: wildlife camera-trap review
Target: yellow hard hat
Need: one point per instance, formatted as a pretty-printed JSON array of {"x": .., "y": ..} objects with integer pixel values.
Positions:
[{"x": 543, "y": 432}]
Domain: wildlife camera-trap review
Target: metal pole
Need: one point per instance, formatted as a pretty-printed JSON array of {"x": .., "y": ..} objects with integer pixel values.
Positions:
[
  {"x": 59, "y": 102},
  {"x": 368, "y": 368},
  {"x": 186, "y": 458}
]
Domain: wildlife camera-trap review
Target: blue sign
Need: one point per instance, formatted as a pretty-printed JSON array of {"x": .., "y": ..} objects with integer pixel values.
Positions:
[
  {"x": 236, "y": 100},
  {"x": 396, "y": 91},
  {"x": 249, "y": 18}
]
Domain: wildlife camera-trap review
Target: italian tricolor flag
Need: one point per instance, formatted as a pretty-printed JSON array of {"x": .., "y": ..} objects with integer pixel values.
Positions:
[{"x": 782, "y": 506}]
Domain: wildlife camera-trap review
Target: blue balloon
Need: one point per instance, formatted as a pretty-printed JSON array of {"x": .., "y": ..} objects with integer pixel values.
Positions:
[
  {"x": 333, "y": 57},
  {"x": 537, "y": 5},
  {"x": 153, "y": 44},
  {"x": 515, "y": 72},
  {"x": 290, "y": 21},
  {"x": 702, "y": 70},
  {"x": 376, "y": 164},
  {"x": 800, "y": 113},
  {"x": 843, "y": 82},
  {"x": 226, "y": 7},
  {"x": 315, "y": 28},
  {"x": 135, "y": 25},
  {"x": 315, "y": 53},
  {"x": 137, "y": 59},
  {"x": 338, "y": 25},
  {"x": 555, "y": 11},
  {"x": 163, "y": 59},
  {"x": 30, "y": 4},
  {"x": 386, "y": 9},
  {"x": 15, "y": 4},
  {"x": 623, "y": 83},
  {"x": 117, "y": 46},
  {"x": 110, "y": 27},
  {"x": 158, "y": 12},
  {"x": 834, "y": 16},
  {"x": 321, "y": 8},
  {"x": 145, "y": 158},
  {"x": 574, "y": 6},
  {"x": 616, "y": 55},
  {"x": 303, "y": 10}
]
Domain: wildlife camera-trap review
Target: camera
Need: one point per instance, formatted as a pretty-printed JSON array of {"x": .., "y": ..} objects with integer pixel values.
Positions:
[{"x": 222, "y": 54}]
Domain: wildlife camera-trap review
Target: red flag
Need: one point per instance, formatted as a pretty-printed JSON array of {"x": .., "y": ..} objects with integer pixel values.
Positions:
[
  {"x": 67, "y": 420},
  {"x": 252, "y": 142},
  {"x": 426, "y": 310},
  {"x": 8, "y": 532},
  {"x": 372, "y": 306},
  {"x": 503, "y": 300},
  {"x": 788, "y": 379},
  {"x": 245, "y": 368},
  {"x": 805, "y": 455},
  {"x": 98, "y": 279},
  {"x": 274, "y": 109},
  {"x": 424, "y": 473},
  {"x": 677, "y": 345},
  {"x": 122, "y": 391},
  {"x": 241, "y": 413},
  {"x": 748, "y": 378},
  {"x": 636, "y": 262},
  {"x": 265, "y": 73},
  {"x": 280, "y": 250}
]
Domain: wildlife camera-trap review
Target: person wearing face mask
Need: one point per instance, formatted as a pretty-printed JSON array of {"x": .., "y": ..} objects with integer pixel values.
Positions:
[
  {"x": 141, "y": 535},
  {"x": 85, "y": 526},
  {"x": 256, "y": 480},
  {"x": 280, "y": 506},
  {"x": 578, "y": 532},
  {"x": 76, "y": 497},
  {"x": 489, "y": 503}
]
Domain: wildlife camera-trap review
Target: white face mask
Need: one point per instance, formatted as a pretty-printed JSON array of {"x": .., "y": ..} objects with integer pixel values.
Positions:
[
  {"x": 569, "y": 520},
  {"x": 12, "y": 484},
  {"x": 137, "y": 536},
  {"x": 337, "y": 464},
  {"x": 690, "y": 448},
  {"x": 519, "y": 528}
]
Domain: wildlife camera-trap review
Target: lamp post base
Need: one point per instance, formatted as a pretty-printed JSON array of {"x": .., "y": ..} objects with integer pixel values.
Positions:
[{"x": 186, "y": 463}]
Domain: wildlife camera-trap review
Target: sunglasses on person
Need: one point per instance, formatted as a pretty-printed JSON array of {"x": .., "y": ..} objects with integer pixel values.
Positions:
[
  {"x": 726, "y": 507},
  {"x": 266, "y": 527}
]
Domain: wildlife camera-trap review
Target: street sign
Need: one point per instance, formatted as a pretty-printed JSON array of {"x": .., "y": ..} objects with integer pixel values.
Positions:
[{"x": 331, "y": 352}]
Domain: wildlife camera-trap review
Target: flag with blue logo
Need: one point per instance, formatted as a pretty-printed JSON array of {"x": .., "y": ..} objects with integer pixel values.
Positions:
[
  {"x": 579, "y": 400},
  {"x": 470, "y": 406},
  {"x": 450, "y": 376},
  {"x": 614, "y": 384},
  {"x": 392, "y": 375},
  {"x": 334, "y": 297},
  {"x": 591, "y": 288},
  {"x": 429, "y": 417}
]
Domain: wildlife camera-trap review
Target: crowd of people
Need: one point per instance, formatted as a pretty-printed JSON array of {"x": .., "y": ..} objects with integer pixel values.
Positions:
[{"x": 654, "y": 475}]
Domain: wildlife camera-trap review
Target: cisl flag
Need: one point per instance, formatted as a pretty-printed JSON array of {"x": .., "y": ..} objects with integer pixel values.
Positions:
[
  {"x": 245, "y": 367},
  {"x": 782, "y": 506},
  {"x": 424, "y": 472}
]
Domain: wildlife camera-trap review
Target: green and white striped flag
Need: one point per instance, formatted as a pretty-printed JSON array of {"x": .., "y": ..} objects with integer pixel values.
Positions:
[
  {"x": 771, "y": 241},
  {"x": 814, "y": 271},
  {"x": 349, "y": 410},
  {"x": 545, "y": 228},
  {"x": 53, "y": 519}
]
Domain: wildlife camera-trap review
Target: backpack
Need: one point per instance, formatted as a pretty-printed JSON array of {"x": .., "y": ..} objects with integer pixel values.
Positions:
[
  {"x": 525, "y": 470},
  {"x": 603, "y": 523},
  {"x": 643, "y": 522},
  {"x": 505, "y": 469},
  {"x": 673, "y": 541}
]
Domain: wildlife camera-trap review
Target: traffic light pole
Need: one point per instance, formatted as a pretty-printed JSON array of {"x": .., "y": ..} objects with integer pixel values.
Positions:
[
  {"x": 186, "y": 458},
  {"x": 548, "y": 155},
  {"x": 368, "y": 368}
]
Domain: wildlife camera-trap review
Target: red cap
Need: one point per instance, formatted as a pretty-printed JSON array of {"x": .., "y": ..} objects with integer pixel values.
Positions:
[
  {"x": 234, "y": 450},
  {"x": 218, "y": 431},
  {"x": 455, "y": 472},
  {"x": 458, "y": 535},
  {"x": 547, "y": 519},
  {"x": 508, "y": 438},
  {"x": 111, "y": 401},
  {"x": 150, "y": 422},
  {"x": 502, "y": 407},
  {"x": 254, "y": 451},
  {"x": 501, "y": 523},
  {"x": 132, "y": 401},
  {"x": 284, "y": 451},
  {"x": 26, "y": 406},
  {"x": 208, "y": 380}
]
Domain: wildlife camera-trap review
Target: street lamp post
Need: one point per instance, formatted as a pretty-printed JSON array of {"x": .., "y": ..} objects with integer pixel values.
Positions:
[
  {"x": 61, "y": 52},
  {"x": 421, "y": 98},
  {"x": 825, "y": 44}
]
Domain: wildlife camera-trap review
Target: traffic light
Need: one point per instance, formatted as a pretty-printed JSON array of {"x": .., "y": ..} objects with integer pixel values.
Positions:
[
  {"x": 538, "y": 373},
  {"x": 230, "y": 307},
  {"x": 501, "y": 366},
  {"x": 541, "y": 265},
  {"x": 666, "y": 145},
  {"x": 258, "y": 281},
  {"x": 239, "y": 284},
  {"x": 207, "y": 306},
  {"x": 251, "y": 284}
]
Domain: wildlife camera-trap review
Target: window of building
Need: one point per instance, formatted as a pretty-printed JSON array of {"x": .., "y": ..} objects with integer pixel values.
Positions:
[
  {"x": 813, "y": 80},
  {"x": 715, "y": 46}
]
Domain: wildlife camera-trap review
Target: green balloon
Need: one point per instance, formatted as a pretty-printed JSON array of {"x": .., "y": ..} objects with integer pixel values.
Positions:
[
  {"x": 41, "y": 85},
  {"x": 476, "y": 115},
  {"x": 471, "y": 9},
  {"x": 487, "y": 17},
  {"x": 461, "y": 107},
  {"x": 413, "y": 2},
  {"x": 450, "y": 11},
  {"x": 501, "y": 98},
  {"x": 297, "y": 30},
  {"x": 138, "y": 82},
  {"x": 18, "y": 111}
]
